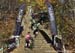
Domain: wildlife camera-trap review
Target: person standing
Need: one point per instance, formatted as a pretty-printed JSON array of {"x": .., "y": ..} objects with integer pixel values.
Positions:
[{"x": 28, "y": 39}]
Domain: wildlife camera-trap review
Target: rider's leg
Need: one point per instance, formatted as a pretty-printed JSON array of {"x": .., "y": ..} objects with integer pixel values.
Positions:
[
  {"x": 36, "y": 33},
  {"x": 27, "y": 42}
]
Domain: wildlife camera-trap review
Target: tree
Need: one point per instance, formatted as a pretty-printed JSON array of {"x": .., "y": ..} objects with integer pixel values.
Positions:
[{"x": 66, "y": 23}]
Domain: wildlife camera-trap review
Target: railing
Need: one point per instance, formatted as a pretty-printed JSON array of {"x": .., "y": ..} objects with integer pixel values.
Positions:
[{"x": 19, "y": 20}]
